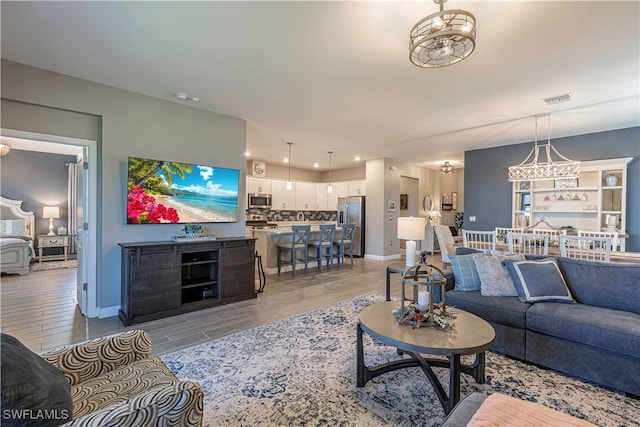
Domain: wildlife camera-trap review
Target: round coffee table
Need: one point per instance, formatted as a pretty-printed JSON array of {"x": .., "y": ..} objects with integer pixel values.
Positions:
[{"x": 469, "y": 335}]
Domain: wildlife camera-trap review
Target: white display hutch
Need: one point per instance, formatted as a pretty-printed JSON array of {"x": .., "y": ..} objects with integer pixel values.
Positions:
[{"x": 585, "y": 203}]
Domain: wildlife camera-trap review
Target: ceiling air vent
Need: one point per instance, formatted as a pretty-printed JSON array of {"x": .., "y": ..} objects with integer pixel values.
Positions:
[{"x": 552, "y": 100}]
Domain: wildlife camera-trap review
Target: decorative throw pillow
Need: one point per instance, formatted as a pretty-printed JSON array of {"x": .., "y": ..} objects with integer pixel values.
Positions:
[
  {"x": 495, "y": 280},
  {"x": 464, "y": 272},
  {"x": 34, "y": 392},
  {"x": 463, "y": 250},
  {"x": 538, "y": 281}
]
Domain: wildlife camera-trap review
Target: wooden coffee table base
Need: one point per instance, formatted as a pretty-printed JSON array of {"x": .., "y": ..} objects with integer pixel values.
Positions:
[
  {"x": 476, "y": 369},
  {"x": 470, "y": 336}
]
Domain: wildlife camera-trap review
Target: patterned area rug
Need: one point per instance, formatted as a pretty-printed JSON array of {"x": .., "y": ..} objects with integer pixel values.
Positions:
[
  {"x": 301, "y": 371},
  {"x": 53, "y": 265}
]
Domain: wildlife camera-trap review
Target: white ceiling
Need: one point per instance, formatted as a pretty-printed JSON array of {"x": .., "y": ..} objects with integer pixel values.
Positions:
[{"x": 336, "y": 76}]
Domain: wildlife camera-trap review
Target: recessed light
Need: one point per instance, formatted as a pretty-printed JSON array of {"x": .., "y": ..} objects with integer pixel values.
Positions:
[
  {"x": 316, "y": 165},
  {"x": 247, "y": 154},
  {"x": 356, "y": 158},
  {"x": 285, "y": 160}
]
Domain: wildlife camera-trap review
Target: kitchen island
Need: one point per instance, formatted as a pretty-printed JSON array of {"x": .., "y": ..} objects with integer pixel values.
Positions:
[{"x": 268, "y": 239}]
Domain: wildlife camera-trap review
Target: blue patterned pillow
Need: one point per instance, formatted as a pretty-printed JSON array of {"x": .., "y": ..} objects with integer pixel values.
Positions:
[
  {"x": 465, "y": 272},
  {"x": 539, "y": 281}
]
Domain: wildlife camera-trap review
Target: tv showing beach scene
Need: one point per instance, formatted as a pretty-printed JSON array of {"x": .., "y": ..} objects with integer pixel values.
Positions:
[{"x": 170, "y": 192}]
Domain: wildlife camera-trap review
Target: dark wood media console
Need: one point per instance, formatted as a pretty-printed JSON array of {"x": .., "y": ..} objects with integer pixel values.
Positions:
[{"x": 162, "y": 279}]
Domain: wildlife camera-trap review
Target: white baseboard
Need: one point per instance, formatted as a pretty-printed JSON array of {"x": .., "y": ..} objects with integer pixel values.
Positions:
[
  {"x": 383, "y": 258},
  {"x": 108, "y": 311}
]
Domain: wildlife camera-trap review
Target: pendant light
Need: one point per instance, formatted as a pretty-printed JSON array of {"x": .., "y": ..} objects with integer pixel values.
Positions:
[
  {"x": 533, "y": 168},
  {"x": 330, "y": 187},
  {"x": 289, "y": 183}
]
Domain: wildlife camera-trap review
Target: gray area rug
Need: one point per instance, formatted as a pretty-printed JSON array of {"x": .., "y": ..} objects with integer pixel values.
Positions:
[
  {"x": 301, "y": 371},
  {"x": 53, "y": 265}
]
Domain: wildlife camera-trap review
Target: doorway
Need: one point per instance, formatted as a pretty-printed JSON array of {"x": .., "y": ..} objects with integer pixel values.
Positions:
[{"x": 87, "y": 184}]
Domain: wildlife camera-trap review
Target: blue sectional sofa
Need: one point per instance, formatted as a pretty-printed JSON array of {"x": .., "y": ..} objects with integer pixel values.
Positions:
[{"x": 597, "y": 338}]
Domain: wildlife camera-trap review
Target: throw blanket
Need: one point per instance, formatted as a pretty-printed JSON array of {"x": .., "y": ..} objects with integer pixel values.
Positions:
[{"x": 501, "y": 410}]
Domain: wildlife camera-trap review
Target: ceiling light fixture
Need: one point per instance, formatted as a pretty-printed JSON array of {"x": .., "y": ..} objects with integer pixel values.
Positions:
[
  {"x": 446, "y": 169},
  {"x": 289, "y": 183},
  {"x": 558, "y": 99},
  {"x": 442, "y": 38},
  {"x": 4, "y": 149},
  {"x": 536, "y": 170},
  {"x": 185, "y": 97},
  {"x": 330, "y": 187}
]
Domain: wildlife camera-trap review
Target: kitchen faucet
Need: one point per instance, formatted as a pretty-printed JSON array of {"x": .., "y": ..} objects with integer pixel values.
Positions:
[{"x": 300, "y": 216}]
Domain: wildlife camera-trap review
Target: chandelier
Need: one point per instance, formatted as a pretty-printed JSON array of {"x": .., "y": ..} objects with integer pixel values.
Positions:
[
  {"x": 446, "y": 169},
  {"x": 534, "y": 169},
  {"x": 442, "y": 38}
]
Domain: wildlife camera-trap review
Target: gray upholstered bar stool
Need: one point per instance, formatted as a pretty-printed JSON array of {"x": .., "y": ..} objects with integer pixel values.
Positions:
[
  {"x": 344, "y": 242},
  {"x": 299, "y": 241},
  {"x": 324, "y": 244}
]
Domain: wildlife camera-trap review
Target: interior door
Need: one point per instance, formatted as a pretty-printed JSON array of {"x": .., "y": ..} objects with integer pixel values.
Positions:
[{"x": 82, "y": 232}]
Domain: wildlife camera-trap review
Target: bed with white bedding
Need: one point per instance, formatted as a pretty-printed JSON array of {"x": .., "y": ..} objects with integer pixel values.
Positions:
[{"x": 17, "y": 231}]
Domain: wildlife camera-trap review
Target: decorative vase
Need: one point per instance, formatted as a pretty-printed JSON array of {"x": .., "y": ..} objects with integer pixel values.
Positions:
[{"x": 611, "y": 180}]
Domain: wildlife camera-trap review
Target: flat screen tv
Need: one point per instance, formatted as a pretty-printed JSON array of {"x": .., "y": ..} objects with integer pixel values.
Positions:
[{"x": 169, "y": 192}]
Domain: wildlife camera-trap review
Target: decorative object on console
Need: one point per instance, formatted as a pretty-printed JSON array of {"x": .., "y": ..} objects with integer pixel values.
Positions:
[
  {"x": 411, "y": 229},
  {"x": 192, "y": 230},
  {"x": 446, "y": 169},
  {"x": 442, "y": 38},
  {"x": 533, "y": 170},
  {"x": 51, "y": 212}
]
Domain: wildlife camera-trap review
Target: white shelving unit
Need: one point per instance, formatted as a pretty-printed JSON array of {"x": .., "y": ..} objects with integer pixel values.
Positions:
[{"x": 585, "y": 203}]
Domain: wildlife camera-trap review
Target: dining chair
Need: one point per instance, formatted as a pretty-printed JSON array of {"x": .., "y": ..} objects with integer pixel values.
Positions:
[
  {"x": 586, "y": 247},
  {"x": 554, "y": 235},
  {"x": 323, "y": 245},
  {"x": 344, "y": 242},
  {"x": 611, "y": 234},
  {"x": 446, "y": 243},
  {"x": 501, "y": 233},
  {"x": 483, "y": 240},
  {"x": 299, "y": 241},
  {"x": 528, "y": 243}
]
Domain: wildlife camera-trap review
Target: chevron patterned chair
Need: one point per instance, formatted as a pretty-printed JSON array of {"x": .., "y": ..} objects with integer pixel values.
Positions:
[{"x": 116, "y": 382}]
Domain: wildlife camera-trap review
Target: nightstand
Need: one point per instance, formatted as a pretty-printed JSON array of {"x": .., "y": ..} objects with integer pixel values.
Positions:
[{"x": 45, "y": 241}]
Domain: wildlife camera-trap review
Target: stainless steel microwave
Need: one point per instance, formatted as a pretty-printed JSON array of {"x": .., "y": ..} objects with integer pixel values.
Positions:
[{"x": 260, "y": 201}]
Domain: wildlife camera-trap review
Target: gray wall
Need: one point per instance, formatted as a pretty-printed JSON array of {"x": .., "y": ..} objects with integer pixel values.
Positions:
[
  {"x": 38, "y": 179},
  {"x": 488, "y": 191},
  {"x": 124, "y": 124}
]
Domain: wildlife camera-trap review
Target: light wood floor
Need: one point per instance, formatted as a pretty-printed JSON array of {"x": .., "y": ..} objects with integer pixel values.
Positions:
[{"x": 40, "y": 308}]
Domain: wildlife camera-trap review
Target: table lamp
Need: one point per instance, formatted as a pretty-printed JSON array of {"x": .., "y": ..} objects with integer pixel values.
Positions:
[
  {"x": 51, "y": 212},
  {"x": 411, "y": 229},
  {"x": 434, "y": 217}
]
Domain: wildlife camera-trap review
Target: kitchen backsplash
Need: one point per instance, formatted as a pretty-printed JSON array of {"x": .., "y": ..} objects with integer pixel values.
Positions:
[{"x": 276, "y": 215}]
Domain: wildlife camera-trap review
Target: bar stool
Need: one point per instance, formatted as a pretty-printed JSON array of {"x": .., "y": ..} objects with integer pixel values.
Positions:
[
  {"x": 299, "y": 240},
  {"x": 348, "y": 230},
  {"x": 324, "y": 245}
]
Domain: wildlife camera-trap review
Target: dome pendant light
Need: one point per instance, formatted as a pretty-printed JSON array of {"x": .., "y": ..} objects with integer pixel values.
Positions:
[
  {"x": 289, "y": 183},
  {"x": 442, "y": 38},
  {"x": 330, "y": 187}
]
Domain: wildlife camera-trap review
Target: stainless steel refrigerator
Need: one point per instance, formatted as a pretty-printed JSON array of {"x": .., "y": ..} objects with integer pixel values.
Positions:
[{"x": 351, "y": 211}]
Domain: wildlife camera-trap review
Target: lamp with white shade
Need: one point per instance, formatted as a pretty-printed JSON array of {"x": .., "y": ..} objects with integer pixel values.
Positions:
[
  {"x": 51, "y": 212},
  {"x": 434, "y": 217},
  {"x": 411, "y": 229}
]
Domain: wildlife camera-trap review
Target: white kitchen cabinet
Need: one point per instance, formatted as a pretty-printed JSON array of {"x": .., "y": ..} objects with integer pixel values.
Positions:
[
  {"x": 340, "y": 189},
  {"x": 305, "y": 196},
  {"x": 356, "y": 188},
  {"x": 258, "y": 186},
  {"x": 322, "y": 196},
  {"x": 282, "y": 199}
]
